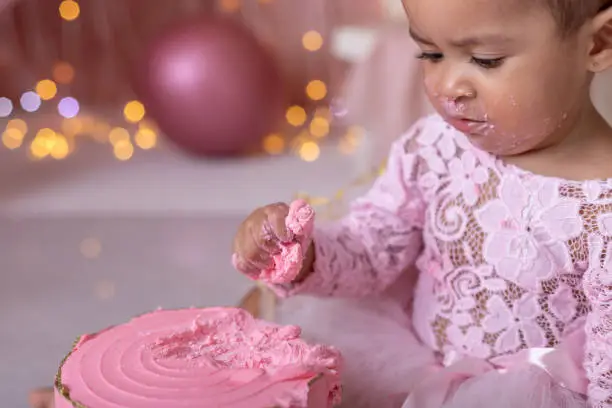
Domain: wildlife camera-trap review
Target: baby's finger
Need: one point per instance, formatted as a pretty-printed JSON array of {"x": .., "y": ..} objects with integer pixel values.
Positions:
[
  {"x": 266, "y": 239},
  {"x": 262, "y": 260},
  {"x": 245, "y": 267},
  {"x": 249, "y": 250},
  {"x": 276, "y": 219}
]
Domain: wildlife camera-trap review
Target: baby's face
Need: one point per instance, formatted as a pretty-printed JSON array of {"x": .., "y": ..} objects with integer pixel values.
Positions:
[{"x": 499, "y": 71}]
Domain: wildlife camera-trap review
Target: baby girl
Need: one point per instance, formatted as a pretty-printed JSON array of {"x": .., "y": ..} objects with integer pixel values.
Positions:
[{"x": 500, "y": 206}]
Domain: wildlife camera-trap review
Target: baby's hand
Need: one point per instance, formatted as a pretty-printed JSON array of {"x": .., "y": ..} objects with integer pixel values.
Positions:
[
  {"x": 273, "y": 241},
  {"x": 259, "y": 237}
]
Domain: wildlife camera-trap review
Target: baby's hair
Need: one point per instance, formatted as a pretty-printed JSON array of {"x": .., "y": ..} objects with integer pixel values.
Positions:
[{"x": 572, "y": 14}]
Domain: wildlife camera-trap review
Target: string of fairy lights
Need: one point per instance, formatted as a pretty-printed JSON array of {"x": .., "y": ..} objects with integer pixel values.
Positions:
[{"x": 138, "y": 132}]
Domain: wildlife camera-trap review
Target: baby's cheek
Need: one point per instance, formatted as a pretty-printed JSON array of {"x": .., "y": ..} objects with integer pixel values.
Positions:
[
  {"x": 521, "y": 128},
  {"x": 430, "y": 85}
]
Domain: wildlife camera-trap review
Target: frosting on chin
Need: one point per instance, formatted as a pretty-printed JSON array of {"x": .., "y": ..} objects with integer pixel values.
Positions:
[
  {"x": 198, "y": 358},
  {"x": 288, "y": 263}
]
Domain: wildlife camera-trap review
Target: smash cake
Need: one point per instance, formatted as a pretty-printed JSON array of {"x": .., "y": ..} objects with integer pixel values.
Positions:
[{"x": 198, "y": 358}]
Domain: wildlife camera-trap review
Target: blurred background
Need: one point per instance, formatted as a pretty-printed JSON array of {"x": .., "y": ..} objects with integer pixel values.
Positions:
[{"x": 135, "y": 136}]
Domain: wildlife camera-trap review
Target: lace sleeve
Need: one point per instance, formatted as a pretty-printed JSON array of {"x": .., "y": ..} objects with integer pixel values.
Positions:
[
  {"x": 367, "y": 250},
  {"x": 598, "y": 358}
]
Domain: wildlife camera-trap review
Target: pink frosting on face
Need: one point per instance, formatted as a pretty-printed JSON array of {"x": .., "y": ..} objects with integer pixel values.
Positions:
[
  {"x": 288, "y": 263},
  {"x": 198, "y": 358}
]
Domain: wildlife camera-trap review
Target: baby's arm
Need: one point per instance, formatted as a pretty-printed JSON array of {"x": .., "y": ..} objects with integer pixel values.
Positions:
[
  {"x": 367, "y": 250},
  {"x": 598, "y": 358}
]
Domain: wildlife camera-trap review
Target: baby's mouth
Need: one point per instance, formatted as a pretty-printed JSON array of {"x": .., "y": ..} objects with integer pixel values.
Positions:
[{"x": 467, "y": 125}]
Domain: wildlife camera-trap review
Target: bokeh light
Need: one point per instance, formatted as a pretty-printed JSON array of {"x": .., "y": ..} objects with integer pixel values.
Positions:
[
  {"x": 46, "y": 89},
  {"x": 316, "y": 90},
  {"x": 274, "y": 144},
  {"x": 43, "y": 143},
  {"x": 72, "y": 126},
  {"x": 90, "y": 248},
  {"x": 69, "y": 10},
  {"x": 230, "y": 5},
  {"x": 30, "y": 101},
  {"x": 68, "y": 107},
  {"x": 60, "y": 148},
  {"x": 351, "y": 140},
  {"x": 296, "y": 116},
  {"x": 309, "y": 151},
  {"x": 99, "y": 130},
  {"x": 312, "y": 40},
  {"x": 319, "y": 127},
  {"x": 6, "y": 107},
  {"x": 63, "y": 73},
  {"x": 134, "y": 111},
  {"x": 105, "y": 290},
  {"x": 12, "y": 138},
  {"x": 18, "y": 124},
  {"x": 145, "y": 138},
  {"x": 118, "y": 135},
  {"x": 123, "y": 150}
]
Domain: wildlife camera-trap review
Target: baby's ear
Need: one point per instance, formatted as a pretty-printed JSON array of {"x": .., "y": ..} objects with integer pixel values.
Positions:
[{"x": 600, "y": 57}]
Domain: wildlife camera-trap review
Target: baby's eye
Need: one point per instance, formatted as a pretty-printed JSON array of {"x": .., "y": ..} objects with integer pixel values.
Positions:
[
  {"x": 431, "y": 56},
  {"x": 488, "y": 63}
]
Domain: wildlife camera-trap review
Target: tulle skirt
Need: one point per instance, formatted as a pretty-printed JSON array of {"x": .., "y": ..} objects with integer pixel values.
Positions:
[{"x": 385, "y": 361}]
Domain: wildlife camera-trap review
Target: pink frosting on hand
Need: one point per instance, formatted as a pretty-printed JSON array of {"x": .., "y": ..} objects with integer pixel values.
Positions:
[
  {"x": 199, "y": 358},
  {"x": 288, "y": 263}
]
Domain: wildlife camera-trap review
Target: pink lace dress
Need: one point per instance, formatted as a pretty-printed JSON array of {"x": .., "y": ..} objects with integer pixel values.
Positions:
[{"x": 512, "y": 307}]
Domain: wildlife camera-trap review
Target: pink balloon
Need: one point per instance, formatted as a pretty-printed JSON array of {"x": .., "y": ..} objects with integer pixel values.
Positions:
[{"x": 211, "y": 86}]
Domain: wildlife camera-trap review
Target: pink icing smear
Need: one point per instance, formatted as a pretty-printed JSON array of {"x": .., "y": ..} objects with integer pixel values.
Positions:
[
  {"x": 199, "y": 358},
  {"x": 288, "y": 263}
]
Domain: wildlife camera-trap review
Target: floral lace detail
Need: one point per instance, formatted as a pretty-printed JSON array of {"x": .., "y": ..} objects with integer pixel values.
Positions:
[
  {"x": 503, "y": 258},
  {"x": 381, "y": 236},
  {"x": 598, "y": 288}
]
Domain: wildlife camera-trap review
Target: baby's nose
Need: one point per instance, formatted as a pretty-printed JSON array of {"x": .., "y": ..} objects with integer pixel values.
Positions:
[
  {"x": 458, "y": 93},
  {"x": 452, "y": 84}
]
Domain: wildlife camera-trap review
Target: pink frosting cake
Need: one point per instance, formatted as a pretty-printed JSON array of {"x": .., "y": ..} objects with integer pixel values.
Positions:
[{"x": 198, "y": 358}]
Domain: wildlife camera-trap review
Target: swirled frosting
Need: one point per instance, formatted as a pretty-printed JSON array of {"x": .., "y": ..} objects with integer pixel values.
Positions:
[{"x": 198, "y": 358}]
